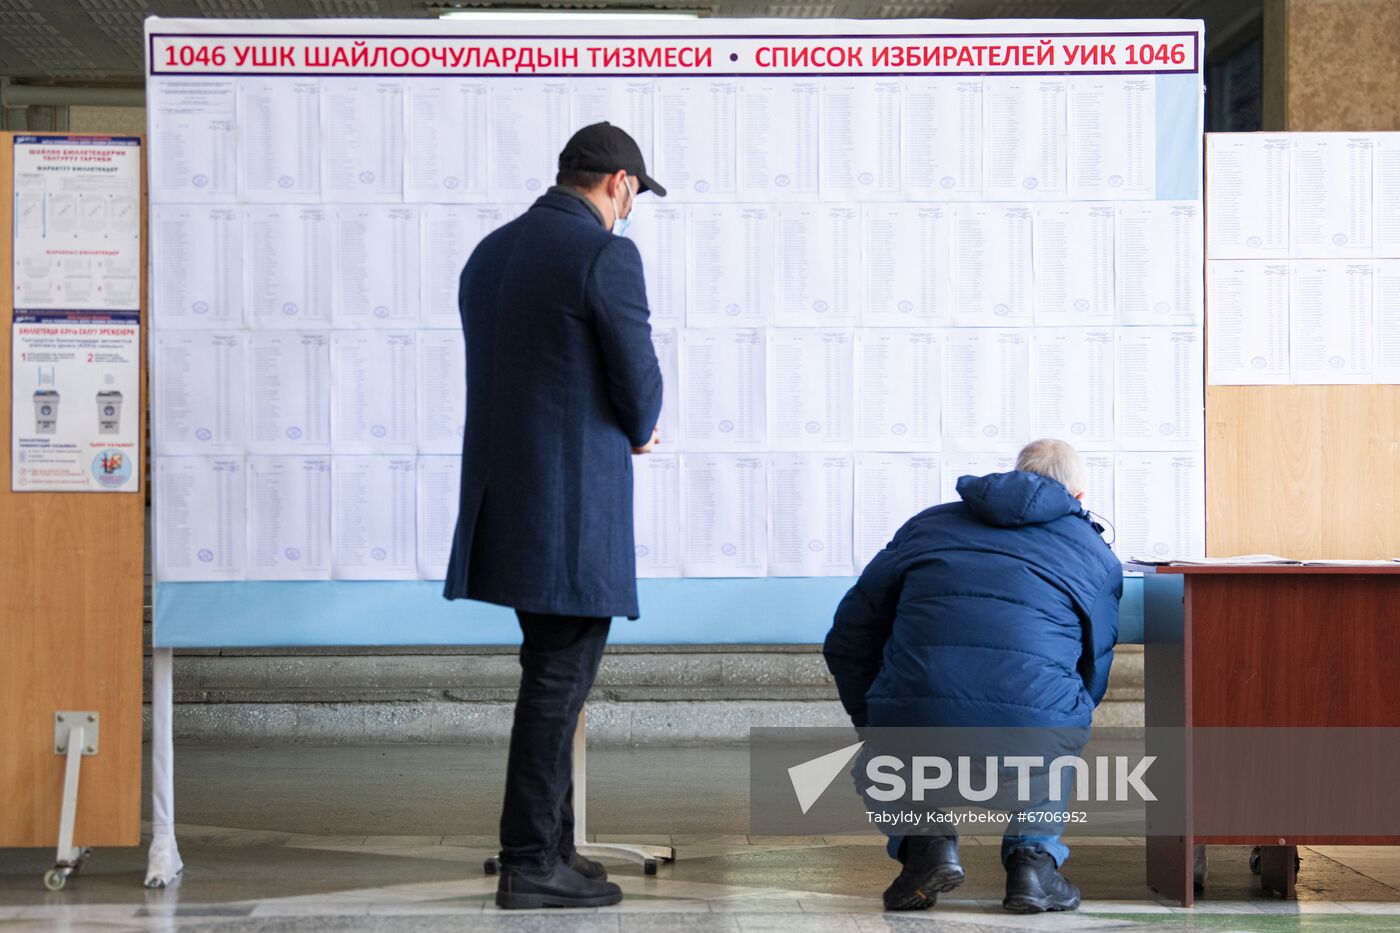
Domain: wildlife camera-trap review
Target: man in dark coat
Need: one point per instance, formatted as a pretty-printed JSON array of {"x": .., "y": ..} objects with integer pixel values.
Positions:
[
  {"x": 563, "y": 387},
  {"x": 997, "y": 611}
]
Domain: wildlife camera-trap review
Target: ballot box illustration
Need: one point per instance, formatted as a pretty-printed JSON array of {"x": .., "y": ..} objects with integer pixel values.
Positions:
[
  {"x": 109, "y": 411},
  {"x": 45, "y": 411}
]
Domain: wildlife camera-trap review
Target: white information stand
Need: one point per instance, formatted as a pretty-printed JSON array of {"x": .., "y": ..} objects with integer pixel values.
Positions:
[{"x": 893, "y": 252}]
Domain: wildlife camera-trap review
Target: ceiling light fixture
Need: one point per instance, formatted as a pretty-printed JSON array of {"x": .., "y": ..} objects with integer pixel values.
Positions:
[{"x": 541, "y": 14}]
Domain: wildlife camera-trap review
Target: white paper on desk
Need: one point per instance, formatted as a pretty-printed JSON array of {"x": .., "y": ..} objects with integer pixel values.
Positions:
[
  {"x": 659, "y": 231},
  {"x": 1385, "y": 317},
  {"x": 899, "y": 379},
  {"x": 198, "y": 266},
  {"x": 279, "y": 123},
  {"x": 1330, "y": 321},
  {"x": 724, "y": 503},
  {"x": 442, "y": 391},
  {"x": 1160, "y": 402},
  {"x": 778, "y": 138},
  {"x": 1248, "y": 310},
  {"x": 1112, "y": 137},
  {"x": 1073, "y": 264},
  {"x": 992, "y": 265},
  {"x": 1160, "y": 254},
  {"x": 1249, "y": 180},
  {"x": 731, "y": 277},
  {"x": 942, "y": 142},
  {"x": 446, "y": 140},
  {"x": 1251, "y": 560},
  {"x": 374, "y": 518},
  {"x": 891, "y": 488},
  {"x": 696, "y": 145},
  {"x": 1098, "y": 487},
  {"x": 818, "y": 265},
  {"x": 448, "y": 233},
  {"x": 625, "y": 102},
  {"x": 1159, "y": 501},
  {"x": 198, "y": 379},
  {"x": 288, "y": 265},
  {"x": 1072, "y": 385},
  {"x": 439, "y": 492},
  {"x": 289, "y": 389},
  {"x": 656, "y": 514},
  {"x": 362, "y": 139},
  {"x": 666, "y": 343},
  {"x": 972, "y": 463},
  {"x": 908, "y": 265},
  {"x": 810, "y": 404},
  {"x": 986, "y": 390},
  {"x": 1024, "y": 128},
  {"x": 376, "y": 267},
  {"x": 532, "y": 120},
  {"x": 860, "y": 138},
  {"x": 810, "y": 502},
  {"x": 1331, "y": 196},
  {"x": 192, "y": 126},
  {"x": 199, "y": 513},
  {"x": 289, "y": 518},
  {"x": 722, "y": 390},
  {"x": 1385, "y": 193},
  {"x": 374, "y": 391}
]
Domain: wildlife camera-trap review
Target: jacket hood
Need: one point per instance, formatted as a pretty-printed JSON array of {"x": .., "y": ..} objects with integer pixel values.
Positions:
[{"x": 1010, "y": 500}]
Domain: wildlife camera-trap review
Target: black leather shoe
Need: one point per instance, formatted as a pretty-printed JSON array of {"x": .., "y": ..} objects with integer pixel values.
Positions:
[
  {"x": 931, "y": 867},
  {"x": 1033, "y": 884},
  {"x": 593, "y": 871},
  {"x": 560, "y": 886}
]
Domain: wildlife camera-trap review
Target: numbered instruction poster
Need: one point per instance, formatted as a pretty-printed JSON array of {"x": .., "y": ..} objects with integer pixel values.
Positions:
[
  {"x": 77, "y": 227},
  {"x": 75, "y": 389},
  {"x": 76, "y": 402}
]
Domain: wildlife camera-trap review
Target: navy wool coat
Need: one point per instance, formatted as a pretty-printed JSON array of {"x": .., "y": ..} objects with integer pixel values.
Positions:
[
  {"x": 997, "y": 611},
  {"x": 562, "y": 383}
]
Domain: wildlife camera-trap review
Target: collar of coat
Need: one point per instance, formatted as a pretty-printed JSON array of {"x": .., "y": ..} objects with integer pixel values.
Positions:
[{"x": 581, "y": 198}]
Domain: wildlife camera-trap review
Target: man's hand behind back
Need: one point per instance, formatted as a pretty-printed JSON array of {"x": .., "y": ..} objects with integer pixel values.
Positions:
[{"x": 655, "y": 439}]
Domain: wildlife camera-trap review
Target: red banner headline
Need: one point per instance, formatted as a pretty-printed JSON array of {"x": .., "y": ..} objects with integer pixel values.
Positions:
[{"x": 473, "y": 56}]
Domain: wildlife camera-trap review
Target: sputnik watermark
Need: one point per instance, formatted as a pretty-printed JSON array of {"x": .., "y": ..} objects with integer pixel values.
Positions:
[{"x": 1103, "y": 778}]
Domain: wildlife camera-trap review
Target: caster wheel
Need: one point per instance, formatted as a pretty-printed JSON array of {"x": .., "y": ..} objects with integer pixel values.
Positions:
[
  {"x": 54, "y": 879},
  {"x": 492, "y": 866},
  {"x": 649, "y": 867}
]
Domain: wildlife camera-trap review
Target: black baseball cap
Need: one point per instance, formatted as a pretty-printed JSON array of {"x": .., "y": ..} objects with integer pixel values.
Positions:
[{"x": 602, "y": 147}]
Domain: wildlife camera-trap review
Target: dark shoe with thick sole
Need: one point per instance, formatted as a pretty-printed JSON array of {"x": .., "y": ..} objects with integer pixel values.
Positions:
[
  {"x": 593, "y": 871},
  {"x": 560, "y": 886},
  {"x": 1034, "y": 885},
  {"x": 931, "y": 867}
]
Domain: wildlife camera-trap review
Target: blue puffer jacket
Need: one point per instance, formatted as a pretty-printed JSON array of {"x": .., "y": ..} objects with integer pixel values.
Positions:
[{"x": 999, "y": 610}]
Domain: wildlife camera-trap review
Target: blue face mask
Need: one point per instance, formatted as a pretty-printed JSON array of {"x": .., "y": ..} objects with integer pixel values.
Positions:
[{"x": 620, "y": 223}]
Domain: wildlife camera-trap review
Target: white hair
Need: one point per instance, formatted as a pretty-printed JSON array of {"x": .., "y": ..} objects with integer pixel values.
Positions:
[{"x": 1054, "y": 459}]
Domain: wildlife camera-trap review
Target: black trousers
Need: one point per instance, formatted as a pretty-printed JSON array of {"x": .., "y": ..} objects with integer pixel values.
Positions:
[{"x": 559, "y": 659}]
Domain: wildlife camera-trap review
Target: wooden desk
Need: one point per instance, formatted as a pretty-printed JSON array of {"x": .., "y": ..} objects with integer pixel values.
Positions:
[{"x": 1261, "y": 646}]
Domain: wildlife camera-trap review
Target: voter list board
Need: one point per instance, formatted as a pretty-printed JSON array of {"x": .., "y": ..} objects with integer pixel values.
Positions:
[
  {"x": 1304, "y": 265},
  {"x": 869, "y": 279}
]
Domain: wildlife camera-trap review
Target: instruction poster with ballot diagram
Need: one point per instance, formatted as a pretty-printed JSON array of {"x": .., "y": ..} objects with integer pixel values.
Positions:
[
  {"x": 893, "y": 252},
  {"x": 76, "y": 340}
]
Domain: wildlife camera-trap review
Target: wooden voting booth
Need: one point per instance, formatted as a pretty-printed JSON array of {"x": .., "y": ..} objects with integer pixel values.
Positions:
[{"x": 71, "y": 580}]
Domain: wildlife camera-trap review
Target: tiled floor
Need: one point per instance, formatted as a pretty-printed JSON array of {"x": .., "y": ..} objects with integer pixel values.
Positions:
[{"x": 302, "y": 839}]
